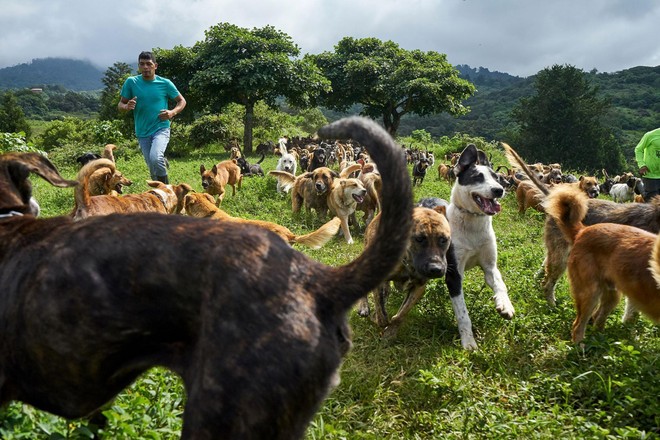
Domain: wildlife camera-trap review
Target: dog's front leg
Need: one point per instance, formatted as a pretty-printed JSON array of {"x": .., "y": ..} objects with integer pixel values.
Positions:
[
  {"x": 454, "y": 282},
  {"x": 346, "y": 231},
  {"x": 415, "y": 293},
  {"x": 503, "y": 304}
]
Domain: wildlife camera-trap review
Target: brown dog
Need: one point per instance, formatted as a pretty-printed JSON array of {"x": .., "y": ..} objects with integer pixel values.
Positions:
[
  {"x": 528, "y": 196},
  {"x": 255, "y": 329},
  {"x": 373, "y": 183},
  {"x": 104, "y": 181},
  {"x": 222, "y": 174},
  {"x": 605, "y": 261},
  {"x": 425, "y": 259},
  {"x": 202, "y": 205},
  {"x": 309, "y": 189},
  {"x": 164, "y": 199}
]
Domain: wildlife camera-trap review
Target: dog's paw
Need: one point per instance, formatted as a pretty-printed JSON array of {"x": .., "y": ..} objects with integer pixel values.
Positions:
[
  {"x": 468, "y": 343},
  {"x": 504, "y": 307}
]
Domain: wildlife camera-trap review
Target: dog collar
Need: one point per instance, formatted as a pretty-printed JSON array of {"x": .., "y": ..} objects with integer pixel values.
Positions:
[
  {"x": 11, "y": 214},
  {"x": 476, "y": 214},
  {"x": 160, "y": 197}
]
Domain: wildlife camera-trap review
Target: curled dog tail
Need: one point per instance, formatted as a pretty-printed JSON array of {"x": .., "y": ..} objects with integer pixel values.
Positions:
[
  {"x": 346, "y": 284},
  {"x": 567, "y": 204},
  {"x": 82, "y": 196},
  {"x": 516, "y": 161},
  {"x": 321, "y": 236}
]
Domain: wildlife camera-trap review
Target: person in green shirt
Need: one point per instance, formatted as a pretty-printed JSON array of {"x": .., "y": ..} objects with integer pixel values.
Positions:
[
  {"x": 647, "y": 155},
  {"x": 147, "y": 95}
]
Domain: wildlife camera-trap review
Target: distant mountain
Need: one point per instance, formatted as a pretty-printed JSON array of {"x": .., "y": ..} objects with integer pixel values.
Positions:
[{"x": 72, "y": 74}]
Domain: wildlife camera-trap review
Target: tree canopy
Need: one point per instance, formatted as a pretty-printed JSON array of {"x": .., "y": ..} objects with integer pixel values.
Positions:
[
  {"x": 562, "y": 122},
  {"x": 390, "y": 81},
  {"x": 237, "y": 65}
]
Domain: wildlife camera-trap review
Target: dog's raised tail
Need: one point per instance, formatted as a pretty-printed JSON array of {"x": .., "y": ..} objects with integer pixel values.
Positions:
[
  {"x": 346, "y": 284},
  {"x": 516, "y": 161},
  {"x": 321, "y": 236},
  {"x": 82, "y": 197},
  {"x": 567, "y": 204}
]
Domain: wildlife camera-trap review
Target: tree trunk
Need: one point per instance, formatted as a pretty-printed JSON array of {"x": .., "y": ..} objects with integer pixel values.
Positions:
[
  {"x": 247, "y": 130},
  {"x": 391, "y": 122}
]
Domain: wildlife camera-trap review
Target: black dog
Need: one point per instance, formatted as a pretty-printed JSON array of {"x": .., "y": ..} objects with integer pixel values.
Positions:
[
  {"x": 83, "y": 313},
  {"x": 419, "y": 171},
  {"x": 319, "y": 159},
  {"x": 248, "y": 169},
  {"x": 87, "y": 157}
]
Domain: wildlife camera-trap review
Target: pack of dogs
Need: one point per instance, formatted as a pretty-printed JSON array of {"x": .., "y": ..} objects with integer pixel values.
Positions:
[{"x": 79, "y": 324}]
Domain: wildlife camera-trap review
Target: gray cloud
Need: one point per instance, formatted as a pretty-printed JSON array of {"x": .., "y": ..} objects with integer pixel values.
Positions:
[{"x": 520, "y": 37}]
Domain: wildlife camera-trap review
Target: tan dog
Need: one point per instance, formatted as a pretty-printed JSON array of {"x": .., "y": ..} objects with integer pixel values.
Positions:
[
  {"x": 202, "y": 205},
  {"x": 164, "y": 199},
  {"x": 528, "y": 196},
  {"x": 605, "y": 261},
  {"x": 371, "y": 204},
  {"x": 235, "y": 153},
  {"x": 343, "y": 198},
  {"x": 309, "y": 189},
  {"x": 222, "y": 174},
  {"x": 104, "y": 181},
  {"x": 425, "y": 259}
]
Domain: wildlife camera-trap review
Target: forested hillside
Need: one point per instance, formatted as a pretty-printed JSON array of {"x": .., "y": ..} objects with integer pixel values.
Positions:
[{"x": 72, "y": 74}]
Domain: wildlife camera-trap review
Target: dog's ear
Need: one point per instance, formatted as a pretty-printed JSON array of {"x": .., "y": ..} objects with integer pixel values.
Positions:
[
  {"x": 334, "y": 174},
  {"x": 468, "y": 157},
  {"x": 214, "y": 170},
  {"x": 202, "y": 169},
  {"x": 441, "y": 209},
  {"x": 482, "y": 159},
  {"x": 154, "y": 183}
]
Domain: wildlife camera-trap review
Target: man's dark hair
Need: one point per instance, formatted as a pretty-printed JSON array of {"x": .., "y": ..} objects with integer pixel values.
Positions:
[{"x": 146, "y": 55}]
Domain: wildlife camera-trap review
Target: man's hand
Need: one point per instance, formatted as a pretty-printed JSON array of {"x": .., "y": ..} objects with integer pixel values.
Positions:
[
  {"x": 643, "y": 170},
  {"x": 165, "y": 115},
  {"x": 130, "y": 105}
]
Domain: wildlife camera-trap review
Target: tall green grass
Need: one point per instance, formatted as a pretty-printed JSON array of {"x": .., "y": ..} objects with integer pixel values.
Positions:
[{"x": 526, "y": 380}]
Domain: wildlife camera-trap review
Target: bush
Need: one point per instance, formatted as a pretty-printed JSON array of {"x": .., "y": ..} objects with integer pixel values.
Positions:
[{"x": 16, "y": 142}]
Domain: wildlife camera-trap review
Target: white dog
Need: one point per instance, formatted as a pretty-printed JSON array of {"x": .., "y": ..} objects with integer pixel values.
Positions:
[
  {"x": 286, "y": 163},
  {"x": 472, "y": 204},
  {"x": 625, "y": 192}
]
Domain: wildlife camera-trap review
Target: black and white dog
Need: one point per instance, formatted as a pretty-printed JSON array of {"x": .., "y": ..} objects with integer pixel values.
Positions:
[{"x": 473, "y": 202}]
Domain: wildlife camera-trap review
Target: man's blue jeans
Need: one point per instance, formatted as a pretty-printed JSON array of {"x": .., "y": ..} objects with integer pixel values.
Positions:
[{"x": 153, "y": 149}]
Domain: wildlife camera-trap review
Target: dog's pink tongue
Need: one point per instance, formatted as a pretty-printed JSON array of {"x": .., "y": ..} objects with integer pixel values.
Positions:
[{"x": 491, "y": 206}]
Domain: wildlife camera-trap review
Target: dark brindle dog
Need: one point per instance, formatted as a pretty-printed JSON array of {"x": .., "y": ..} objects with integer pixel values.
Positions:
[{"x": 83, "y": 312}]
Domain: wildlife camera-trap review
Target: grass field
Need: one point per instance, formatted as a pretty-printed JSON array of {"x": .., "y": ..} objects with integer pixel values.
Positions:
[{"x": 526, "y": 380}]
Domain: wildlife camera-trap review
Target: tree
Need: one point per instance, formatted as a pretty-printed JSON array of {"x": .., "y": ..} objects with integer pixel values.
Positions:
[
  {"x": 237, "y": 65},
  {"x": 113, "y": 79},
  {"x": 12, "y": 118},
  {"x": 390, "y": 81},
  {"x": 562, "y": 122}
]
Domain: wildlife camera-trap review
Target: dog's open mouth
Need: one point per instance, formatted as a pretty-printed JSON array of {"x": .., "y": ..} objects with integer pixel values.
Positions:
[
  {"x": 358, "y": 198},
  {"x": 488, "y": 206},
  {"x": 118, "y": 188}
]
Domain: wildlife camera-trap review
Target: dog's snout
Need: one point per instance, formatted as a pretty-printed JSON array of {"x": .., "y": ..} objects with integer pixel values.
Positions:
[
  {"x": 434, "y": 270},
  {"x": 498, "y": 192},
  {"x": 320, "y": 186}
]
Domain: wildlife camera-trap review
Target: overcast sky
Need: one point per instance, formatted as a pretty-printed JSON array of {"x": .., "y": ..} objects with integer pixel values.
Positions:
[{"x": 519, "y": 37}]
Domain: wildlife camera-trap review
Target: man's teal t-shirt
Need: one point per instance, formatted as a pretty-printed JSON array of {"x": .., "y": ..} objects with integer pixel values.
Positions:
[{"x": 152, "y": 97}]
